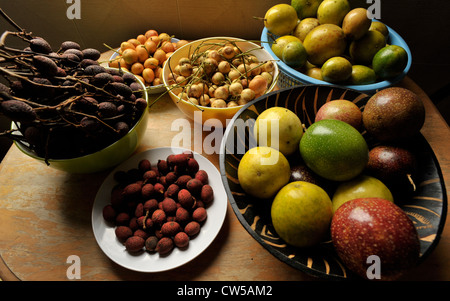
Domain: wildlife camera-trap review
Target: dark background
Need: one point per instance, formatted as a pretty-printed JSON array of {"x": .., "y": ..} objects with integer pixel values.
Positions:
[{"x": 423, "y": 24}]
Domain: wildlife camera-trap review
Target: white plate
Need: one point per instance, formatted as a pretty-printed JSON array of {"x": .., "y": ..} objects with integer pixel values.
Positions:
[
  {"x": 152, "y": 262},
  {"x": 150, "y": 89}
]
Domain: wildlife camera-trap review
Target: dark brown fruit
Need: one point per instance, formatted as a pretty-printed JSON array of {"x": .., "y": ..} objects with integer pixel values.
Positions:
[
  {"x": 185, "y": 199},
  {"x": 394, "y": 113},
  {"x": 17, "y": 110},
  {"x": 150, "y": 205},
  {"x": 395, "y": 166},
  {"x": 141, "y": 233},
  {"x": 123, "y": 233},
  {"x": 182, "y": 180},
  {"x": 147, "y": 191},
  {"x": 40, "y": 45},
  {"x": 192, "y": 228},
  {"x": 182, "y": 216},
  {"x": 207, "y": 194},
  {"x": 91, "y": 53},
  {"x": 134, "y": 244},
  {"x": 169, "y": 206},
  {"x": 170, "y": 228},
  {"x": 122, "y": 218},
  {"x": 159, "y": 217},
  {"x": 181, "y": 240},
  {"x": 163, "y": 167},
  {"x": 202, "y": 176},
  {"x": 45, "y": 65},
  {"x": 109, "y": 213},
  {"x": 144, "y": 165},
  {"x": 199, "y": 214},
  {"x": 150, "y": 243},
  {"x": 194, "y": 186},
  {"x": 164, "y": 245},
  {"x": 69, "y": 45},
  {"x": 132, "y": 191}
]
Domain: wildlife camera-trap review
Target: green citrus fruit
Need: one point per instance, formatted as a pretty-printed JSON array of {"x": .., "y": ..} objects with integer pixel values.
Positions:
[
  {"x": 262, "y": 171},
  {"x": 281, "y": 19},
  {"x": 301, "y": 214},
  {"x": 306, "y": 8},
  {"x": 362, "y": 75},
  {"x": 334, "y": 150},
  {"x": 287, "y": 126},
  {"x": 390, "y": 61},
  {"x": 363, "y": 50},
  {"x": 294, "y": 54},
  {"x": 281, "y": 42},
  {"x": 336, "y": 69}
]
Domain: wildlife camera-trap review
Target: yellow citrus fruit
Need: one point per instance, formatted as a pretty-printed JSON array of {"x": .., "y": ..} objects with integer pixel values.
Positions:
[
  {"x": 279, "y": 124},
  {"x": 301, "y": 214},
  {"x": 281, "y": 19},
  {"x": 262, "y": 171}
]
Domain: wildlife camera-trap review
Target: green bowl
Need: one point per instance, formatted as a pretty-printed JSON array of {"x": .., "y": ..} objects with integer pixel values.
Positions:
[{"x": 104, "y": 159}]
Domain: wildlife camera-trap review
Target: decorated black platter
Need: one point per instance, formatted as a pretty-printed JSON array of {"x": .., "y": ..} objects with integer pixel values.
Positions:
[{"x": 426, "y": 206}]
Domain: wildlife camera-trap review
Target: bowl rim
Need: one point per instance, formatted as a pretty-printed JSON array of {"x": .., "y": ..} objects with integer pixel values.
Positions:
[
  {"x": 394, "y": 38},
  {"x": 24, "y": 149},
  {"x": 257, "y": 48}
]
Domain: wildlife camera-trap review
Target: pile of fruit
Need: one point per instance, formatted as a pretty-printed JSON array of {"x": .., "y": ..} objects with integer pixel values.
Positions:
[
  {"x": 221, "y": 76},
  {"x": 329, "y": 182},
  {"x": 157, "y": 207},
  {"x": 145, "y": 55},
  {"x": 63, "y": 103},
  {"x": 329, "y": 41}
]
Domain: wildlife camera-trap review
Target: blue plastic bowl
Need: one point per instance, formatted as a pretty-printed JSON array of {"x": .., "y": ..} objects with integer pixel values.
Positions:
[{"x": 290, "y": 77}]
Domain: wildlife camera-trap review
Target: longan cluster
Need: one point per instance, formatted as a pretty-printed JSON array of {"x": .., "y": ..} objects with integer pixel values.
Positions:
[
  {"x": 144, "y": 56},
  {"x": 64, "y": 102},
  {"x": 221, "y": 76},
  {"x": 159, "y": 207}
]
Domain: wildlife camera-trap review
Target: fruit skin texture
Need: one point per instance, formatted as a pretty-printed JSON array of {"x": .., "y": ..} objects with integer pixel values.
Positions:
[
  {"x": 281, "y": 42},
  {"x": 334, "y": 150},
  {"x": 323, "y": 42},
  {"x": 290, "y": 129},
  {"x": 294, "y": 55},
  {"x": 356, "y": 24},
  {"x": 281, "y": 19},
  {"x": 374, "y": 226},
  {"x": 263, "y": 171},
  {"x": 332, "y": 11},
  {"x": 390, "y": 61},
  {"x": 394, "y": 113},
  {"x": 341, "y": 109},
  {"x": 360, "y": 187},
  {"x": 306, "y": 8},
  {"x": 336, "y": 69},
  {"x": 301, "y": 214}
]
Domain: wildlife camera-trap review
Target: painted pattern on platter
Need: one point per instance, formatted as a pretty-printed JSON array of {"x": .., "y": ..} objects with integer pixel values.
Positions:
[{"x": 427, "y": 208}]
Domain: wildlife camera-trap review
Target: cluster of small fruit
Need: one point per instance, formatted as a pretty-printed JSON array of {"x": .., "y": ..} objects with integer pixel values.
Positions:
[
  {"x": 145, "y": 55},
  {"x": 327, "y": 176},
  {"x": 159, "y": 207},
  {"x": 63, "y": 102},
  {"x": 329, "y": 41},
  {"x": 222, "y": 76}
]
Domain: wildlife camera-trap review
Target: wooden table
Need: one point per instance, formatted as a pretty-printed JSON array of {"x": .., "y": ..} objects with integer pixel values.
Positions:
[{"x": 45, "y": 216}]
